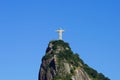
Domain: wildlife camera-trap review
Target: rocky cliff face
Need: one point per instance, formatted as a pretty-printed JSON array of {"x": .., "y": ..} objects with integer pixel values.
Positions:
[{"x": 60, "y": 63}]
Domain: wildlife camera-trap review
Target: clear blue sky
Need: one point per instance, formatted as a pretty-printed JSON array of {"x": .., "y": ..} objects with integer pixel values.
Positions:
[{"x": 92, "y": 28}]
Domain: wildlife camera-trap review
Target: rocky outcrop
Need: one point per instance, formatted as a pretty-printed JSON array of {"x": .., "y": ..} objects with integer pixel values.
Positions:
[{"x": 60, "y": 63}]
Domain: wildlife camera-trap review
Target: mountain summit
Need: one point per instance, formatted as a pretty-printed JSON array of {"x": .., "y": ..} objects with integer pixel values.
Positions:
[{"x": 60, "y": 63}]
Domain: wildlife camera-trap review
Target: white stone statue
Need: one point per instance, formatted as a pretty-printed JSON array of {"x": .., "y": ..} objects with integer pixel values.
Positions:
[{"x": 60, "y": 31}]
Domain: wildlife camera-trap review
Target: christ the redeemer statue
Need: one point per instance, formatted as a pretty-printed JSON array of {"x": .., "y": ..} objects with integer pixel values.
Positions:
[{"x": 60, "y": 31}]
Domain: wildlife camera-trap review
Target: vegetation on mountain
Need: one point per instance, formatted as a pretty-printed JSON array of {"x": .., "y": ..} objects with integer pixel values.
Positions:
[{"x": 67, "y": 56}]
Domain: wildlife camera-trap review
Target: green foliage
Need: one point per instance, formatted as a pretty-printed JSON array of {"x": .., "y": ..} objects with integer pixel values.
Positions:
[
  {"x": 69, "y": 57},
  {"x": 100, "y": 76},
  {"x": 47, "y": 56},
  {"x": 66, "y": 77},
  {"x": 72, "y": 71},
  {"x": 90, "y": 71},
  {"x": 94, "y": 74},
  {"x": 57, "y": 77},
  {"x": 59, "y": 43},
  {"x": 78, "y": 59}
]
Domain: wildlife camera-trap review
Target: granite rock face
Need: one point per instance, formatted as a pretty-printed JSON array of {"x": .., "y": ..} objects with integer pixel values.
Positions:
[{"x": 60, "y": 63}]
